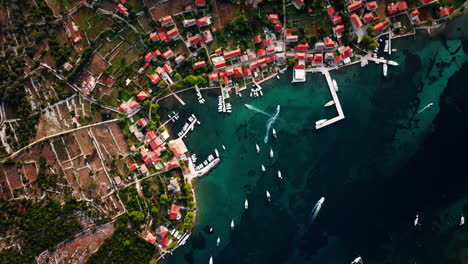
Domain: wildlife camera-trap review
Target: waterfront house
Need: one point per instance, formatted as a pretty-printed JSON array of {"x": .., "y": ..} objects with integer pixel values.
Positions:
[
  {"x": 397, "y": 7},
  {"x": 174, "y": 213},
  {"x": 229, "y": 72},
  {"x": 238, "y": 71},
  {"x": 354, "y": 5},
  {"x": 318, "y": 59},
  {"x": 355, "y": 21},
  {"x": 414, "y": 15},
  {"x": 446, "y": 11},
  {"x": 198, "y": 65},
  {"x": 298, "y": 4},
  {"x": 380, "y": 26},
  {"x": 338, "y": 59},
  {"x": 213, "y": 77},
  {"x": 178, "y": 147},
  {"x": 167, "y": 21},
  {"x": 347, "y": 52}
]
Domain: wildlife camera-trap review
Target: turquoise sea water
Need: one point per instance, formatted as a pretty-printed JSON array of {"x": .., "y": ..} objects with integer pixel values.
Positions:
[{"x": 366, "y": 166}]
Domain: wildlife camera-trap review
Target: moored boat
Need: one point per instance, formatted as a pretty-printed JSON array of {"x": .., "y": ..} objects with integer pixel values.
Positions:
[
  {"x": 385, "y": 69},
  {"x": 268, "y": 195},
  {"x": 321, "y": 121},
  {"x": 246, "y": 204},
  {"x": 224, "y": 148},
  {"x": 218, "y": 241},
  {"x": 217, "y": 153},
  {"x": 211, "y": 260},
  {"x": 335, "y": 85},
  {"x": 271, "y": 153},
  {"x": 393, "y": 63},
  {"x": 257, "y": 147},
  {"x": 279, "y": 175},
  {"x": 274, "y": 132},
  {"x": 330, "y": 103},
  {"x": 232, "y": 224},
  {"x": 263, "y": 168}
]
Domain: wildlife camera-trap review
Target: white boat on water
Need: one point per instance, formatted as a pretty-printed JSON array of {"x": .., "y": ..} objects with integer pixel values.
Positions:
[
  {"x": 271, "y": 153},
  {"x": 232, "y": 224},
  {"x": 385, "y": 69},
  {"x": 277, "y": 76},
  {"x": 268, "y": 195},
  {"x": 393, "y": 63},
  {"x": 218, "y": 241},
  {"x": 335, "y": 85},
  {"x": 462, "y": 220},
  {"x": 321, "y": 121},
  {"x": 211, "y": 230},
  {"x": 357, "y": 260},
  {"x": 274, "y": 132},
  {"x": 330, "y": 103},
  {"x": 224, "y": 148},
  {"x": 416, "y": 221},
  {"x": 257, "y": 147},
  {"x": 263, "y": 168},
  {"x": 246, "y": 204},
  {"x": 211, "y": 260},
  {"x": 279, "y": 175},
  {"x": 217, "y": 153}
]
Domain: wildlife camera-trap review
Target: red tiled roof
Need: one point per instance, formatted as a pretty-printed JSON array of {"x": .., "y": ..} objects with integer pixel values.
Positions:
[
  {"x": 270, "y": 50},
  {"x": 357, "y": 23},
  {"x": 232, "y": 53},
  {"x": 174, "y": 212},
  {"x": 156, "y": 52},
  {"x": 219, "y": 64},
  {"x": 173, "y": 163},
  {"x": 380, "y": 26},
  {"x": 133, "y": 167},
  {"x": 133, "y": 104},
  {"x": 329, "y": 43},
  {"x": 346, "y": 51},
  {"x": 257, "y": 39},
  {"x": 288, "y": 31},
  {"x": 173, "y": 32},
  {"x": 338, "y": 59},
  {"x": 230, "y": 72},
  {"x": 336, "y": 20},
  {"x": 143, "y": 95},
  {"x": 355, "y": 5},
  {"x": 446, "y": 11},
  {"x": 149, "y": 56},
  {"x": 218, "y": 51},
  {"x": 193, "y": 40},
  {"x": 168, "y": 54},
  {"x": 273, "y": 18},
  {"x": 414, "y": 13},
  {"x": 167, "y": 19},
  {"x": 371, "y": 5},
  {"x": 426, "y": 1},
  {"x": 278, "y": 26},
  {"x": 203, "y": 21},
  {"x": 154, "y": 36},
  {"x": 261, "y": 53},
  {"x": 167, "y": 68},
  {"x": 238, "y": 71},
  {"x": 198, "y": 64},
  {"x": 330, "y": 10},
  {"x": 154, "y": 78},
  {"x": 122, "y": 9},
  {"x": 253, "y": 64},
  {"x": 200, "y": 2},
  {"x": 301, "y": 47},
  {"x": 150, "y": 238},
  {"x": 338, "y": 28},
  {"x": 213, "y": 77},
  {"x": 142, "y": 122},
  {"x": 318, "y": 58},
  {"x": 300, "y": 56},
  {"x": 163, "y": 36},
  {"x": 267, "y": 43}
]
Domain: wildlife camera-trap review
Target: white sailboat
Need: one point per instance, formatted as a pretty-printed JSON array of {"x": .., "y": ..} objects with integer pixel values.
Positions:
[
  {"x": 321, "y": 121},
  {"x": 268, "y": 195},
  {"x": 263, "y": 168},
  {"x": 279, "y": 175},
  {"x": 211, "y": 230},
  {"x": 271, "y": 153},
  {"x": 246, "y": 204},
  {"x": 217, "y": 153},
  {"x": 257, "y": 147},
  {"x": 274, "y": 132},
  {"x": 218, "y": 241},
  {"x": 385, "y": 69},
  {"x": 330, "y": 103},
  {"x": 335, "y": 85},
  {"x": 211, "y": 260},
  {"x": 232, "y": 224},
  {"x": 462, "y": 220},
  {"x": 224, "y": 148},
  {"x": 416, "y": 221}
]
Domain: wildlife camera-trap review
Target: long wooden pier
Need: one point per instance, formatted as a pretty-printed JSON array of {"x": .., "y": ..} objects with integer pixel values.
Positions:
[{"x": 335, "y": 99}]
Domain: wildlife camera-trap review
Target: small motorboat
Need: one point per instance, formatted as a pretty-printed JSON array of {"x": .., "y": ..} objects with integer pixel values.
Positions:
[
  {"x": 277, "y": 76},
  {"x": 217, "y": 153},
  {"x": 211, "y": 230},
  {"x": 246, "y": 204},
  {"x": 357, "y": 260},
  {"x": 393, "y": 63},
  {"x": 271, "y": 153},
  {"x": 211, "y": 260},
  {"x": 263, "y": 168},
  {"x": 257, "y": 147},
  {"x": 330, "y": 103},
  {"x": 232, "y": 224},
  {"x": 274, "y": 132},
  {"x": 224, "y": 148},
  {"x": 416, "y": 221},
  {"x": 218, "y": 241},
  {"x": 385, "y": 69},
  {"x": 321, "y": 121},
  {"x": 279, "y": 175},
  {"x": 462, "y": 220},
  {"x": 268, "y": 195},
  {"x": 335, "y": 85}
]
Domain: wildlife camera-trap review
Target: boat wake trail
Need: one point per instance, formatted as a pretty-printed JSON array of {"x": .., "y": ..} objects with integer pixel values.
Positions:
[
  {"x": 316, "y": 209},
  {"x": 270, "y": 122},
  {"x": 426, "y": 107},
  {"x": 253, "y": 108}
]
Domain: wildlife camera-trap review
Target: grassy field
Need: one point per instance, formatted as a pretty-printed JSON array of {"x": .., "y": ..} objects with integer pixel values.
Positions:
[
  {"x": 82, "y": 15},
  {"x": 97, "y": 24}
]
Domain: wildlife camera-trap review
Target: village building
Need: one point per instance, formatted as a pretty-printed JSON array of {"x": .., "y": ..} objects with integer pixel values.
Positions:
[
  {"x": 397, "y": 7},
  {"x": 154, "y": 37},
  {"x": 207, "y": 37},
  {"x": 204, "y": 21},
  {"x": 198, "y": 64},
  {"x": 168, "y": 54},
  {"x": 163, "y": 37},
  {"x": 232, "y": 54},
  {"x": 174, "y": 213},
  {"x": 355, "y": 21},
  {"x": 173, "y": 186},
  {"x": 178, "y": 147},
  {"x": 371, "y": 5},
  {"x": 273, "y": 18},
  {"x": 336, "y": 20},
  {"x": 338, "y": 31},
  {"x": 446, "y": 11},
  {"x": 414, "y": 15},
  {"x": 179, "y": 59},
  {"x": 291, "y": 39},
  {"x": 200, "y": 3},
  {"x": 330, "y": 10},
  {"x": 189, "y": 22},
  {"x": 167, "y": 21},
  {"x": 380, "y": 26},
  {"x": 122, "y": 10},
  {"x": 143, "y": 95},
  {"x": 173, "y": 34},
  {"x": 354, "y": 5}
]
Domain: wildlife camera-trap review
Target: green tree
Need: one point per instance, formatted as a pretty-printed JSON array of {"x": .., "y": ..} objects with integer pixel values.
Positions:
[
  {"x": 162, "y": 84},
  {"x": 369, "y": 43},
  {"x": 370, "y": 31},
  {"x": 291, "y": 62},
  {"x": 188, "y": 220}
]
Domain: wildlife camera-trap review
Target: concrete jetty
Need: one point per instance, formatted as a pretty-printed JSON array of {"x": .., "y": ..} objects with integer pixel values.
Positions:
[{"x": 178, "y": 98}]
